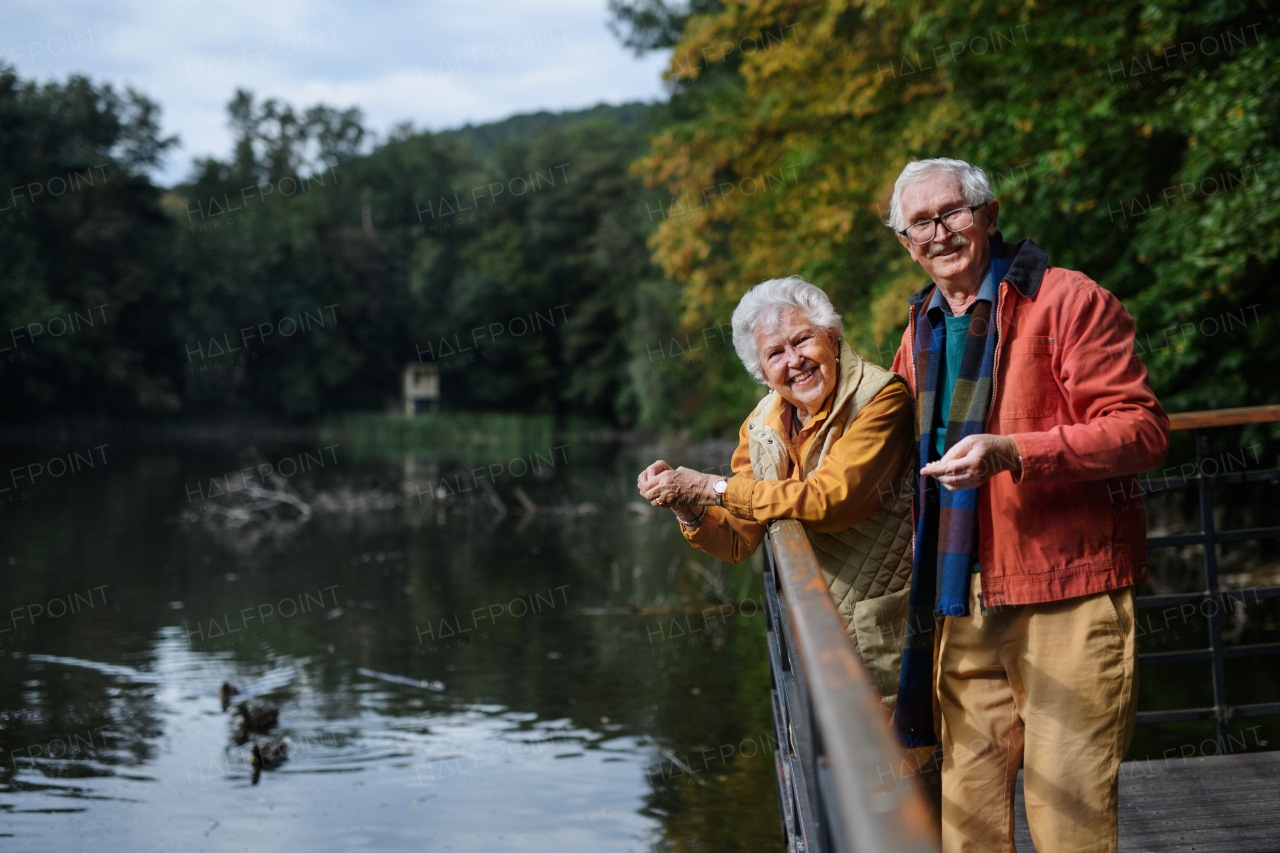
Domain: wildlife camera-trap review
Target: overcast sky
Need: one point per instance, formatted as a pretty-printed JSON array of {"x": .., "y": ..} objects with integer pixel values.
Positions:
[{"x": 435, "y": 64}]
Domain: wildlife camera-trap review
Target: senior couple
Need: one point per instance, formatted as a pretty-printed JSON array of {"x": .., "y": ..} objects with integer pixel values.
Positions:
[{"x": 1007, "y": 572}]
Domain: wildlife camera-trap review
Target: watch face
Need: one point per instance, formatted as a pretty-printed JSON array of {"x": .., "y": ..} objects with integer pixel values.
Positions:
[{"x": 721, "y": 486}]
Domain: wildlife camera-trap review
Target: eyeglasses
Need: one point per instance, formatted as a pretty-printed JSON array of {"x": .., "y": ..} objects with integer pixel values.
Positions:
[{"x": 956, "y": 220}]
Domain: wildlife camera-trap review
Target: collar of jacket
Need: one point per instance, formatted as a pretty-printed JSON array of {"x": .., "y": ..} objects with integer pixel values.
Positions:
[{"x": 1026, "y": 271}]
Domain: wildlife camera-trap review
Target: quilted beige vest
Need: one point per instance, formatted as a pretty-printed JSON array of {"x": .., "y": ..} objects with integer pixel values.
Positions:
[{"x": 867, "y": 566}]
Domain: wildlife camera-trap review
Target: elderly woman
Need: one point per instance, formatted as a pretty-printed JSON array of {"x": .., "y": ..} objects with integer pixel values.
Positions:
[{"x": 830, "y": 446}]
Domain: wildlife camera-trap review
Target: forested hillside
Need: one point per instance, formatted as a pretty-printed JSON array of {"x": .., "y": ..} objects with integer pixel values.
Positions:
[
  {"x": 484, "y": 139},
  {"x": 298, "y": 276},
  {"x": 587, "y": 263}
]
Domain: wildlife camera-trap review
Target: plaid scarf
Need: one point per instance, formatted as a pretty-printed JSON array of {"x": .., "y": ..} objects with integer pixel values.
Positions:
[{"x": 946, "y": 521}]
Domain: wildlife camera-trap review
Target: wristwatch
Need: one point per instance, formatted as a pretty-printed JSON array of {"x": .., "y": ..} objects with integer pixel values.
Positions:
[{"x": 720, "y": 487}]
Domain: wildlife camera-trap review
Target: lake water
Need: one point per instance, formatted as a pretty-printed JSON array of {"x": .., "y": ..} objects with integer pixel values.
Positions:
[
  {"x": 604, "y": 687},
  {"x": 487, "y": 645}
]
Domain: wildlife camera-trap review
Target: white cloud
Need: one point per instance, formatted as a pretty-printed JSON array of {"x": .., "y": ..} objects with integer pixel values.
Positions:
[{"x": 438, "y": 65}]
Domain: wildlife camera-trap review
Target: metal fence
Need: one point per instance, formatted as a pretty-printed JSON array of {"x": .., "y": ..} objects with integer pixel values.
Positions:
[
  {"x": 843, "y": 782},
  {"x": 1210, "y": 602}
]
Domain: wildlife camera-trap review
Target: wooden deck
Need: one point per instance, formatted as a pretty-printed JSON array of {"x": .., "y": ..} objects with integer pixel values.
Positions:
[{"x": 1222, "y": 804}]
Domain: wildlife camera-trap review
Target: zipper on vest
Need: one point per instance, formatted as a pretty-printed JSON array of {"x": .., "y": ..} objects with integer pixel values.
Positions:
[
  {"x": 911, "y": 324},
  {"x": 982, "y": 605}
]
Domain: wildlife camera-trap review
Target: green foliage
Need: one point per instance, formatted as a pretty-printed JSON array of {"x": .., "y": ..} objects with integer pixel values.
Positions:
[
  {"x": 485, "y": 139},
  {"x": 82, "y": 246},
  {"x": 1136, "y": 142},
  {"x": 646, "y": 25},
  {"x": 298, "y": 277},
  {"x": 465, "y": 435}
]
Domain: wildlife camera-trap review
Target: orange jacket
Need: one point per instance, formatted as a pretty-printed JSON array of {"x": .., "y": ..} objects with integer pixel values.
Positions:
[{"x": 1071, "y": 391}]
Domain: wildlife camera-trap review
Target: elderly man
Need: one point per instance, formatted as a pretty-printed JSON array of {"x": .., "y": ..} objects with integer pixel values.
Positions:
[
  {"x": 1026, "y": 543},
  {"x": 829, "y": 447}
]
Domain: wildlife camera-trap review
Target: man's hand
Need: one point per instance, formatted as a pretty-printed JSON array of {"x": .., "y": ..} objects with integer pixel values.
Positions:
[
  {"x": 974, "y": 460},
  {"x": 681, "y": 487}
]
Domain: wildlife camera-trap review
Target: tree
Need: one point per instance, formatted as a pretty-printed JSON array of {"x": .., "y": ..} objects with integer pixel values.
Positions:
[
  {"x": 84, "y": 245},
  {"x": 648, "y": 25},
  {"x": 1106, "y": 129}
]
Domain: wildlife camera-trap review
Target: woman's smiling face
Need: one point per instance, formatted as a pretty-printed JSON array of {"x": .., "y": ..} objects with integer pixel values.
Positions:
[{"x": 798, "y": 360}]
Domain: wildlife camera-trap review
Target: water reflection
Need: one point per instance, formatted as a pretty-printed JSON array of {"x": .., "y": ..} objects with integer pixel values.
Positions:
[{"x": 533, "y": 662}]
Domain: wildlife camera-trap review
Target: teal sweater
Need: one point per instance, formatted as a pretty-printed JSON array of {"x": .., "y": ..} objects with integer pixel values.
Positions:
[{"x": 957, "y": 331}]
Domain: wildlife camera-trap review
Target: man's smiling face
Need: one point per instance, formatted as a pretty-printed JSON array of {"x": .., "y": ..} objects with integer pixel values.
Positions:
[{"x": 960, "y": 257}]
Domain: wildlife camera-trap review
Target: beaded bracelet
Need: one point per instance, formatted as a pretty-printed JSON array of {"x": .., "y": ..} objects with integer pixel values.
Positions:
[{"x": 694, "y": 524}]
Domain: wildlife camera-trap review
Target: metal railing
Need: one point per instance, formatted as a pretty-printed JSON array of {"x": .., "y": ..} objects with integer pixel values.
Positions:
[
  {"x": 843, "y": 782},
  {"x": 1209, "y": 603}
]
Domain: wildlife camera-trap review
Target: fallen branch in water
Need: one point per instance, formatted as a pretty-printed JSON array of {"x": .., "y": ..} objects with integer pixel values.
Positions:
[{"x": 531, "y": 508}]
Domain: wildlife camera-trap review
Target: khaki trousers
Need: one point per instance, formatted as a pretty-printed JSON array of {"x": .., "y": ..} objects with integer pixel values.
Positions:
[{"x": 1053, "y": 685}]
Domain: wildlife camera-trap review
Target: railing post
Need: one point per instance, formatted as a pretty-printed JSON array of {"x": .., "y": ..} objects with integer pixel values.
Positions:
[
  {"x": 778, "y": 665},
  {"x": 1211, "y": 586}
]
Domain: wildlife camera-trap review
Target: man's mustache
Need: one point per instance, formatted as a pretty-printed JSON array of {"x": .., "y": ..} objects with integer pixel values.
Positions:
[{"x": 955, "y": 241}]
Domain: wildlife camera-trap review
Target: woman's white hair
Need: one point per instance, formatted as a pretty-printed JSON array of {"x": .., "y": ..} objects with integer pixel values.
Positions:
[
  {"x": 973, "y": 183},
  {"x": 762, "y": 307}
]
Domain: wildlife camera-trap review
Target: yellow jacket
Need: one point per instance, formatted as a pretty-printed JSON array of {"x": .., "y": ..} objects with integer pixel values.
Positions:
[{"x": 847, "y": 477}]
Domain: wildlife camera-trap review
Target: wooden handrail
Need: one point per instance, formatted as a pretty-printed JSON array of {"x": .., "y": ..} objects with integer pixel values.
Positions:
[
  {"x": 877, "y": 808},
  {"x": 1225, "y": 417}
]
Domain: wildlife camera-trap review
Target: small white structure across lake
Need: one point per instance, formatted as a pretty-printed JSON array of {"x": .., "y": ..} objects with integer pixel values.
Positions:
[{"x": 421, "y": 389}]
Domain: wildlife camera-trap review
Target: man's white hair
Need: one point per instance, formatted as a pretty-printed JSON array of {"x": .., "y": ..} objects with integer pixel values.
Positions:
[
  {"x": 973, "y": 184},
  {"x": 762, "y": 307}
]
